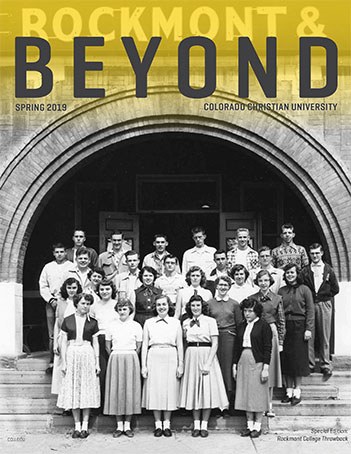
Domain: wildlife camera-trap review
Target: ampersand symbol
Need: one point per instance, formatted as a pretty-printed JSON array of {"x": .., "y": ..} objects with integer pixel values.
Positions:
[{"x": 309, "y": 15}]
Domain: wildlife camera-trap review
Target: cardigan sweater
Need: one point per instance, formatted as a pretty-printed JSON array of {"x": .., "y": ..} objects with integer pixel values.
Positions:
[{"x": 261, "y": 342}]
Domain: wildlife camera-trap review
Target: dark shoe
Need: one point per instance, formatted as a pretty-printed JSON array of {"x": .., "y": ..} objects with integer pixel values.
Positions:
[
  {"x": 269, "y": 414},
  {"x": 129, "y": 433},
  {"x": 204, "y": 433},
  {"x": 158, "y": 433},
  {"x": 195, "y": 433},
  {"x": 49, "y": 370},
  {"x": 76, "y": 434},
  {"x": 255, "y": 433},
  {"x": 117, "y": 433},
  {"x": 245, "y": 433},
  {"x": 67, "y": 413},
  {"x": 295, "y": 400},
  {"x": 167, "y": 432},
  {"x": 84, "y": 434},
  {"x": 312, "y": 370},
  {"x": 286, "y": 399},
  {"x": 327, "y": 373}
]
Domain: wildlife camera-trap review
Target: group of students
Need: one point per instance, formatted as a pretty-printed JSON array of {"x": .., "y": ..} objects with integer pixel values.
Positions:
[{"x": 162, "y": 353}]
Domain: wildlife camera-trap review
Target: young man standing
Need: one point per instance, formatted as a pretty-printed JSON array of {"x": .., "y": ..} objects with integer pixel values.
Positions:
[
  {"x": 129, "y": 281},
  {"x": 242, "y": 253},
  {"x": 220, "y": 259},
  {"x": 322, "y": 281},
  {"x": 289, "y": 252},
  {"x": 157, "y": 257},
  {"x": 265, "y": 263},
  {"x": 171, "y": 281},
  {"x": 81, "y": 270},
  {"x": 201, "y": 255},
  {"x": 114, "y": 262},
  {"x": 50, "y": 280},
  {"x": 79, "y": 240}
]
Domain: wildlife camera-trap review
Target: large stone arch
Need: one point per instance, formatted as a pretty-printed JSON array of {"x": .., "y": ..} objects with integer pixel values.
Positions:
[{"x": 61, "y": 145}]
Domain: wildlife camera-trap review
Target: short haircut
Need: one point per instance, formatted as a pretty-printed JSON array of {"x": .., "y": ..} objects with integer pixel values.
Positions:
[
  {"x": 198, "y": 229},
  {"x": 131, "y": 252},
  {"x": 149, "y": 269},
  {"x": 288, "y": 267},
  {"x": 79, "y": 230},
  {"x": 237, "y": 268},
  {"x": 204, "y": 305},
  {"x": 288, "y": 225},
  {"x": 243, "y": 229},
  {"x": 117, "y": 232},
  {"x": 58, "y": 246},
  {"x": 171, "y": 256},
  {"x": 252, "y": 303},
  {"x": 316, "y": 246},
  {"x": 109, "y": 283},
  {"x": 86, "y": 296},
  {"x": 171, "y": 310},
  {"x": 83, "y": 250},
  {"x": 160, "y": 235},
  {"x": 123, "y": 302},
  {"x": 220, "y": 251},
  {"x": 264, "y": 273},
  {"x": 70, "y": 281},
  {"x": 98, "y": 271},
  {"x": 192, "y": 270},
  {"x": 264, "y": 248},
  {"x": 225, "y": 279}
]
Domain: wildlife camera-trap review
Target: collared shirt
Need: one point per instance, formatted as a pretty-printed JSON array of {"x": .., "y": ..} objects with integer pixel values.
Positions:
[
  {"x": 162, "y": 333},
  {"x": 82, "y": 278},
  {"x": 202, "y": 257},
  {"x": 285, "y": 254},
  {"x": 170, "y": 285},
  {"x": 112, "y": 261},
  {"x": 247, "y": 333},
  {"x": 128, "y": 282},
  {"x": 52, "y": 277},
  {"x": 208, "y": 327},
  {"x": 248, "y": 258},
  {"x": 317, "y": 270},
  {"x": 240, "y": 292},
  {"x": 157, "y": 262}
]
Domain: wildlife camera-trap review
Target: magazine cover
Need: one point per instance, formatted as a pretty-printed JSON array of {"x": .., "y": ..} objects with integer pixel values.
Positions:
[{"x": 175, "y": 157}]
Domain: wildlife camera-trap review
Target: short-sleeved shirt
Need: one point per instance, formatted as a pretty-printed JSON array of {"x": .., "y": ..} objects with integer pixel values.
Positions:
[
  {"x": 162, "y": 331},
  {"x": 170, "y": 285},
  {"x": 104, "y": 313},
  {"x": 208, "y": 327},
  {"x": 202, "y": 257},
  {"x": 124, "y": 335}
]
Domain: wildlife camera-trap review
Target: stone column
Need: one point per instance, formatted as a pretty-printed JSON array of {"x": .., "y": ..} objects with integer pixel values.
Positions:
[{"x": 11, "y": 332}]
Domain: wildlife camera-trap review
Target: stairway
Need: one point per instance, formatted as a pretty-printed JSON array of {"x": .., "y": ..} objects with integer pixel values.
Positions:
[{"x": 26, "y": 403}]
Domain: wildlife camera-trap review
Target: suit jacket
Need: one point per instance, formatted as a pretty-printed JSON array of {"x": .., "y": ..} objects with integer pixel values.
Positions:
[{"x": 329, "y": 286}]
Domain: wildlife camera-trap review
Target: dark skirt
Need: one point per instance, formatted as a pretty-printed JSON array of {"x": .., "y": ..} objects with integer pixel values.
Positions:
[
  {"x": 295, "y": 350},
  {"x": 225, "y": 351}
]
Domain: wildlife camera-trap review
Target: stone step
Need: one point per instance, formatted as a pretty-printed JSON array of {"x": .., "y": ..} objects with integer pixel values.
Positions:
[
  {"x": 25, "y": 405},
  {"x": 24, "y": 376},
  {"x": 315, "y": 392},
  {"x": 339, "y": 377},
  {"x": 29, "y": 391}
]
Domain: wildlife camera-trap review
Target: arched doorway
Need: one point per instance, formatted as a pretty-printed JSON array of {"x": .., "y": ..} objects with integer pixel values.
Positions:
[{"x": 55, "y": 153}]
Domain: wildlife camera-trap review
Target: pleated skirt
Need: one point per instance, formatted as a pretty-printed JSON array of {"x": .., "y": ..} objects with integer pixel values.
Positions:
[
  {"x": 199, "y": 391},
  {"x": 123, "y": 385},
  {"x": 80, "y": 386},
  {"x": 295, "y": 350},
  {"x": 275, "y": 370},
  {"x": 161, "y": 387},
  {"x": 251, "y": 394}
]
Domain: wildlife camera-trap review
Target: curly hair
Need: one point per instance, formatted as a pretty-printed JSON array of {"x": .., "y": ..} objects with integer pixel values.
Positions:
[
  {"x": 110, "y": 284},
  {"x": 171, "y": 310},
  {"x": 192, "y": 270},
  {"x": 69, "y": 281},
  {"x": 204, "y": 306},
  {"x": 288, "y": 267},
  {"x": 252, "y": 303},
  {"x": 149, "y": 269},
  {"x": 237, "y": 268},
  {"x": 86, "y": 296},
  {"x": 264, "y": 273}
]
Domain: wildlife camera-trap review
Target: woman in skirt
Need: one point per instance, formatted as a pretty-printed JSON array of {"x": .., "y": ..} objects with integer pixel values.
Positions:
[
  {"x": 123, "y": 388},
  {"x": 252, "y": 355},
  {"x": 273, "y": 313},
  {"x": 228, "y": 316},
  {"x": 80, "y": 388},
  {"x": 299, "y": 315},
  {"x": 162, "y": 364},
  {"x": 202, "y": 386},
  {"x": 64, "y": 308}
]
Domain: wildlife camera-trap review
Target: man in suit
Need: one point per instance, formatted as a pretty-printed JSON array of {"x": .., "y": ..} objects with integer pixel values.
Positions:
[{"x": 321, "y": 279}]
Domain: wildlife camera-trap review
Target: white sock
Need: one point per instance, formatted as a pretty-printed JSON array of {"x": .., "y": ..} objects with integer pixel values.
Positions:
[
  {"x": 289, "y": 392},
  {"x": 126, "y": 425},
  {"x": 203, "y": 425},
  {"x": 85, "y": 425},
  {"x": 120, "y": 426},
  {"x": 257, "y": 426},
  {"x": 297, "y": 392},
  {"x": 77, "y": 426},
  {"x": 166, "y": 424},
  {"x": 250, "y": 425},
  {"x": 196, "y": 424},
  {"x": 158, "y": 424}
]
